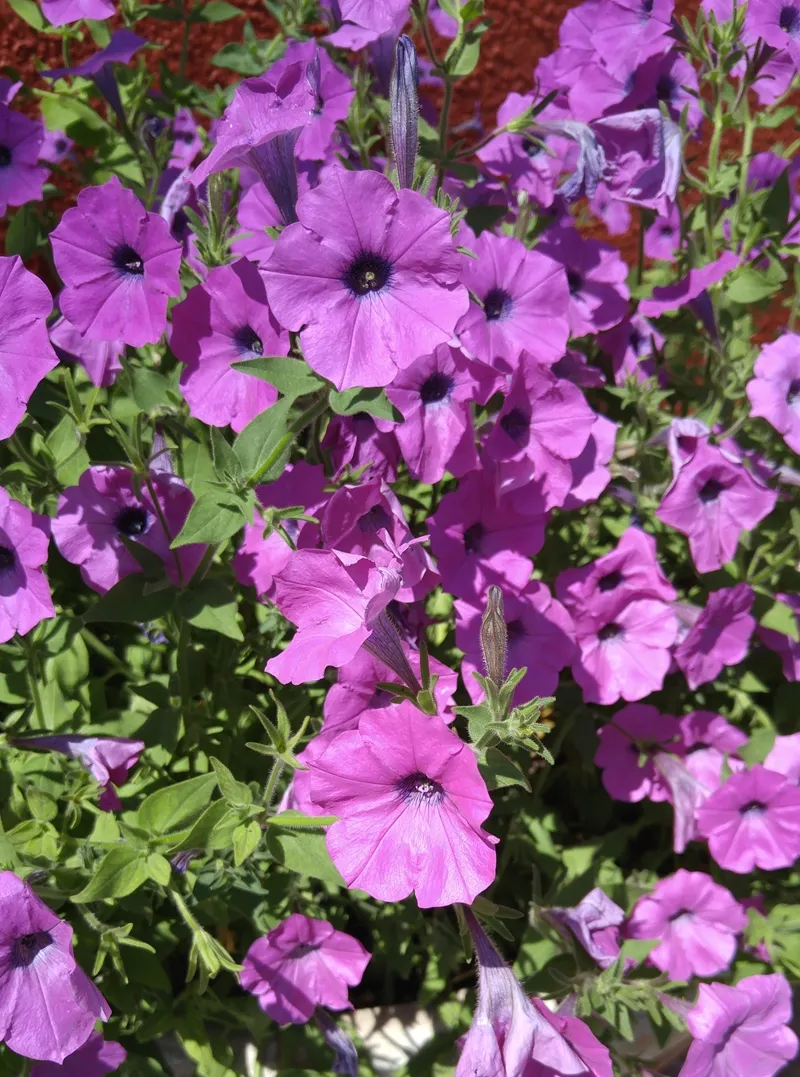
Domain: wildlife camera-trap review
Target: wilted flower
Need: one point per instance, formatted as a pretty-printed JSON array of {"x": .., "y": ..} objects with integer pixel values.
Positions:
[
  {"x": 301, "y": 964},
  {"x": 24, "y": 592},
  {"x": 96, "y": 1058},
  {"x": 108, "y": 759},
  {"x": 595, "y": 922},
  {"x": 719, "y": 637}
]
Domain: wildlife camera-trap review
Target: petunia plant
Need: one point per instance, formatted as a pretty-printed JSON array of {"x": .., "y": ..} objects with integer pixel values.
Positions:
[{"x": 399, "y": 545}]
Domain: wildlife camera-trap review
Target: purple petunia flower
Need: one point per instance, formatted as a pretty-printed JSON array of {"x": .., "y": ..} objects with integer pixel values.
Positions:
[
  {"x": 104, "y": 505},
  {"x": 696, "y": 921},
  {"x": 99, "y": 67},
  {"x": 774, "y": 392},
  {"x": 662, "y": 239},
  {"x": 776, "y": 22},
  {"x": 334, "y": 607},
  {"x": 24, "y": 592},
  {"x": 632, "y": 568},
  {"x": 644, "y": 25},
  {"x": 712, "y": 500},
  {"x": 674, "y": 296},
  {"x": 96, "y": 1058},
  {"x": 539, "y": 636},
  {"x": 590, "y": 475},
  {"x": 668, "y": 81},
  {"x": 753, "y": 820},
  {"x": 301, "y": 964},
  {"x": 708, "y": 740},
  {"x": 543, "y": 424},
  {"x": 119, "y": 264},
  {"x": 370, "y": 275},
  {"x": 720, "y": 636},
  {"x": 624, "y": 648},
  {"x": 21, "y": 175},
  {"x": 525, "y": 162},
  {"x": 525, "y": 298},
  {"x": 786, "y": 646},
  {"x": 741, "y": 1029},
  {"x": 60, "y": 12},
  {"x": 627, "y": 746},
  {"x": 410, "y": 802},
  {"x": 596, "y": 279},
  {"x": 595, "y": 922},
  {"x": 433, "y": 396},
  {"x": 479, "y": 537},
  {"x": 362, "y": 441},
  {"x": 333, "y": 93},
  {"x": 361, "y": 21},
  {"x": 26, "y": 354},
  {"x": 108, "y": 759},
  {"x": 101, "y": 359},
  {"x": 48, "y": 1005},
  {"x": 784, "y": 757},
  {"x": 631, "y": 346},
  {"x": 222, "y": 321}
]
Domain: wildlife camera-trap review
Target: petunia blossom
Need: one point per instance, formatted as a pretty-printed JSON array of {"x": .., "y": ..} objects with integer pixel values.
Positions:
[
  {"x": 24, "y": 591},
  {"x": 598, "y": 294},
  {"x": 101, "y": 359},
  {"x": 753, "y": 820},
  {"x": 61, "y": 12},
  {"x": 119, "y": 264},
  {"x": 26, "y": 354},
  {"x": 301, "y": 964},
  {"x": 696, "y": 922},
  {"x": 410, "y": 802},
  {"x": 788, "y": 647},
  {"x": 741, "y": 1029},
  {"x": 627, "y": 746},
  {"x": 361, "y": 21},
  {"x": 719, "y": 637},
  {"x": 48, "y": 1005},
  {"x": 595, "y": 922},
  {"x": 226, "y": 320},
  {"x": 784, "y": 757},
  {"x": 363, "y": 443},
  {"x": 369, "y": 276},
  {"x": 774, "y": 392},
  {"x": 108, "y": 759},
  {"x": 96, "y": 1058},
  {"x": 21, "y": 175},
  {"x": 668, "y": 297}
]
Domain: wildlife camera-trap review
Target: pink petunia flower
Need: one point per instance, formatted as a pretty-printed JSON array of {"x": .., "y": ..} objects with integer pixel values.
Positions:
[
  {"x": 101, "y": 359},
  {"x": 527, "y": 164},
  {"x": 774, "y": 392},
  {"x": 26, "y": 354},
  {"x": 524, "y": 295},
  {"x": 784, "y": 757},
  {"x": 719, "y": 637},
  {"x": 596, "y": 277},
  {"x": 627, "y": 746},
  {"x": 48, "y": 1006},
  {"x": 590, "y": 475},
  {"x": 753, "y": 820},
  {"x": 433, "y": 397},
  {"x": 595, "y": 922},
  {"x": 713, "y": 500},
  {"x": 334, "y": 607},
  {"x": 708, "y": 740},
  {"x": 583, "y": 1049},
  {"x": 689, "y": 288},
  {"x": 222, "y": 321},
  {"x": 696, "y": 921},
  {"x": 741, "y": 1029},
  {"x": 96, "y": 1058},
  {"x": 370, "y": 275},
  {"x": 539, "y": 636},
  {"x": 119, "y": 264},
  {"x": 786, "y": 646},
  {"x": 630, "y": 346},
  {"x": 108, "y": 759},
  {"x": 104, "y": 505},
  {"x": 21, "y": 175},
  {"x": 333, "y": 93},
  {"x": 301, "y": 964},
  {"x": 362, "y": 21},
  {"x": 624, "y": 648},
  {"x": 363, "y": 442},
  {"x": 61, "y": 12},
  {"x": 24, "y": 591},
  {"x": 410, "y": 802}
]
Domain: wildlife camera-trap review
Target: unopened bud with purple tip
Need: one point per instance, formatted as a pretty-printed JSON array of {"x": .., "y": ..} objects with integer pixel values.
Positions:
[
  {"x": 494, "y": 636},
  {"x": 384, "y": 643},
  {"x": 405, "y": 110},
  {"x": 345, "y": 1057},
  {"x": 276, "y": 166},
  {"x": 314, "y": 80}
]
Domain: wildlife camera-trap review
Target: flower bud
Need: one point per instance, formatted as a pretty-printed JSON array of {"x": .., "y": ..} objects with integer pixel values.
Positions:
[
  {"x": 384, "y": 644},
  {"x": 345, "y": 1057},
  {"x": 404, "y": 109},
  {"x": 494, "y": 636},
  {"x": 276, "y": 166}
]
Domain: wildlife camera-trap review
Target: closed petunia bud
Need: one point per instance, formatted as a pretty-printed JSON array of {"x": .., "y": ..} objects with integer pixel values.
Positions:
[
  {"x": 494, "y": 636},
  {"x": 405, "y": 109},
  {"x": 275, "y": 164}
]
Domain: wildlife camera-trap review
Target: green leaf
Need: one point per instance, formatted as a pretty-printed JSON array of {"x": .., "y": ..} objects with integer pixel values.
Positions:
[
  {"x": 246, "y": 838},
  {"x": 170, "y": 809},
  {"x": 122, "y": 870},
  {"x": 291, "y": 377},
  {"x": 638, "y": 949},
  {"x": 198, "y": 836},
  {"x": 373, "y": 401},
  {"x": 211, "y": 605},
  {"x": 150, "y": 389},
  {"x": 24, "y": 232},
  {"x": 134, "y": 599},
  {"x": 219, "y": 11},
  {"x": 304, "y": 852},
  {"x": 158, "y": 868},
  {"x": 499, "y": 771},
  {"x": 293, "y": 819},
  {"x": 750, "y": 286},
  {"x": 226, "y": 462},
  {"x": 781, "y": 618},
  {"x": 758, "y": 746},
  {"x": 29, "y": 12},
  {"x": 775, "y": 212},
  {"x": 60, "y": 111},
  {"x": 462, "y": 57},
  {"x": 71, "y": 459},
  {"x": 236, "y": 793},
  {"x": 214, "y": 517},
  {"x": 261, "y": 437}
]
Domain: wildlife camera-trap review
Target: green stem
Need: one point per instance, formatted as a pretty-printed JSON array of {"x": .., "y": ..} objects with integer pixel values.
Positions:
[
  {"x": 747, "y": 149},
  {"x": 184, "y": 58},
  {"x": 272, "y": 782},
  {"x": 31, "y": 670},
  {"x": 300, "y": 423},
  {"x": 148, "y": 481},
  {"x": 444, "y": 120},
  {"x": 182, "y": 667}
]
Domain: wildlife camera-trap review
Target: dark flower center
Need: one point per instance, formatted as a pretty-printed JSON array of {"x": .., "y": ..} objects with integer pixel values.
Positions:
[
  {"x": 516, "y": 424},
  {"x": 515, "y": 631},
  {"x": 368, "y": 273},
  {"x": 380, "y": 699},
  {"x": 128, "y": 261},
  {"x": 132, "y": 521},
  {"x": 647, "y": 9},
  {"x": 302, "y": 949},
  {"x": 789, "y": 20},
  {"x": 609, "y": 581},
  {"x": 473, "y": 537},
  {"x": 666, "y": 229},
  {"x": 373, "y": 520},
  {"x": 27, "y": 947},
  {"x": 609, "y": 631},
  {"x": 754, "y": 810},
  {"x": 5, "y": 156},
  {"x": 60, "y": 145},
  {"x": 420, "y": 789},
  {"x": 710, "y": 491},
  {"x": 793, "y": 396},
  {"x": 636, "y": 340},
  {"x": 497, "y": 305},
  {"x": 666, "y": 88},
  {"x": 680, "y": 914},
  {"x": 574, "y": 281},
  {"x": 435, "y": 388},
  {"x": 247, "y": 341},
  {"x": 533, "y": 149},
  {"x": 7, "y": 559}
]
